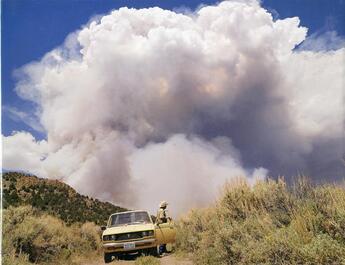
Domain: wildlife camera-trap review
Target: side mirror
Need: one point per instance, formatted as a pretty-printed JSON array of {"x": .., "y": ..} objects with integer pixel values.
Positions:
[{"x": 103, "y": 227}]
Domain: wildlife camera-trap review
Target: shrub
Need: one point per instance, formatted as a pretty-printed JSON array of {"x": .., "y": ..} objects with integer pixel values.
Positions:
[
  {"x": 324, "y": 250},
  {"x": 38, "y": 238},
  {"x": 268, "y": 224},
  {"x": 91, "y": 236},
  {"x": 15, "y": 260}
]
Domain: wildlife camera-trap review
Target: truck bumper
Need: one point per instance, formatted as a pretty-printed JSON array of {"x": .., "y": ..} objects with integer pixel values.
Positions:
[{"x": 119, "y": 246}]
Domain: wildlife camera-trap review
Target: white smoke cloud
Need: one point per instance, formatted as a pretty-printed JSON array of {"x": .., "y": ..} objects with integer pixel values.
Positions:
[
  {"x": 151, "y": 104},
  {"x": 316, "y": 100},
  {"x": 23, "y": 152},
  {"x": 186, "y": 172}
]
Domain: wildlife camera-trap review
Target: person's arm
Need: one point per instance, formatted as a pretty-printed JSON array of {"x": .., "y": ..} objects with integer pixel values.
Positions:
[{"x": 166, "y": 216}]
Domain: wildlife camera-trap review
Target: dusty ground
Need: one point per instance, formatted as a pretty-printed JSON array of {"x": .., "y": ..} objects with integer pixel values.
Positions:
[{"x": 170, "y": 259}]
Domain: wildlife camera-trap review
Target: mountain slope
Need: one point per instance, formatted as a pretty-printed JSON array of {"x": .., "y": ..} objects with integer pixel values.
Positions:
[{"x": 54, "y": 197}]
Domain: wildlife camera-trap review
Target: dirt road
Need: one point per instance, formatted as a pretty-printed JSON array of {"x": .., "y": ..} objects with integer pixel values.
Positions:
[{"x": 166, "y": 260}]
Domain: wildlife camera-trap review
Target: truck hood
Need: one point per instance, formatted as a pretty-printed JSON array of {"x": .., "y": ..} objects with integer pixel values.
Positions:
[{"x": 128, "y": 229}]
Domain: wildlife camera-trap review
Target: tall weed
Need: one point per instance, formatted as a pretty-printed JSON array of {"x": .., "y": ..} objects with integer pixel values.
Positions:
[
  {"x": 29, "y": 236},
  {"x": 268, "y": 223}
]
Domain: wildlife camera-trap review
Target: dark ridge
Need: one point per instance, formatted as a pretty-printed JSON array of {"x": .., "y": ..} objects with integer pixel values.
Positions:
[{"x": 54, "y": 197}]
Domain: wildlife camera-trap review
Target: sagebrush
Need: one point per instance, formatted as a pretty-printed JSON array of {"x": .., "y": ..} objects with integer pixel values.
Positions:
[
  {"x": 32, "y": 237},
  {"x": 268, "y": 223}
]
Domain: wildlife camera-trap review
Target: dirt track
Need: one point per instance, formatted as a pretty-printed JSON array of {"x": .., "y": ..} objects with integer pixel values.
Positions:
[{"x": 166, "y": 260}]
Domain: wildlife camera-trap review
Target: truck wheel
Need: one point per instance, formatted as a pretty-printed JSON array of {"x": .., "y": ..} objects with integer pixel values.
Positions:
[
  {"x": 153, "y": 251},
  {"x": 107, "y": 257}
]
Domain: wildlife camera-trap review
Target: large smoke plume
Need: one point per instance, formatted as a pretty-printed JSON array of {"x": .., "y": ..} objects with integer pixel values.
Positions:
[{"x": 150, "y": 104}]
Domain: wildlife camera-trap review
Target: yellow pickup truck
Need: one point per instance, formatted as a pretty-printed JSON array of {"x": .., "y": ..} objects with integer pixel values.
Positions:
[{"x": 134, "y": 231}]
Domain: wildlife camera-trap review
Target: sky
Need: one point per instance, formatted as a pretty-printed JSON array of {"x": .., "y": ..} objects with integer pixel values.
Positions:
[
  {"x": 134, "y": 102},
  {"x": 33, "y": 27}
]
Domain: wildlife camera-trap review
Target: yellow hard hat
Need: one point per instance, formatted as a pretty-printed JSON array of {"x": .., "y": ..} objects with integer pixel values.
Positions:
[{"x": 163, "y": 204}]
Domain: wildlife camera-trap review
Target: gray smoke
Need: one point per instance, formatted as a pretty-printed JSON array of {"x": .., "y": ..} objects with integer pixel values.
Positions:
[{"x": 149, "y": 104}]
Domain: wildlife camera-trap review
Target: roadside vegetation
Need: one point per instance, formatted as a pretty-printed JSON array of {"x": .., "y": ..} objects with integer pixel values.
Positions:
[
  {"x": 47, "y": 222},
  {"x": 30, "y": 236},
  {"x": 269, "y": 223}
]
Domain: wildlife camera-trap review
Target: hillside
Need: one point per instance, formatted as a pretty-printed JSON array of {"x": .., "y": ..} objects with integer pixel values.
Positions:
[{"x": 54, "y": 197}]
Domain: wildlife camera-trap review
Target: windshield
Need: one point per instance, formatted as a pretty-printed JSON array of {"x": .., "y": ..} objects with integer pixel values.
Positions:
[{"x": 129, "y": 218}]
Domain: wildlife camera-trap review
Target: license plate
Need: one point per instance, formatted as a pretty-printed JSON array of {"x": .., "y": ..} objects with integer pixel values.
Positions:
[{"x": 129, "y": 245}]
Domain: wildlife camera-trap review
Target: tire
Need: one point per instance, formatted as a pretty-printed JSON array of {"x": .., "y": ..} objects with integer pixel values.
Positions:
[
  {"x": 153, "y": 251},
  {"x": 107, "y": 257}
]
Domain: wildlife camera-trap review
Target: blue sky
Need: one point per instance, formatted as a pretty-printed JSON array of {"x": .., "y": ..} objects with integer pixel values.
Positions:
[{"x": 30, "y": 28}]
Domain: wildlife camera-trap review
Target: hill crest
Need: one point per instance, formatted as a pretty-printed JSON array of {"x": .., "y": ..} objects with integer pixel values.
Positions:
[{"x": 54, "y": 197}]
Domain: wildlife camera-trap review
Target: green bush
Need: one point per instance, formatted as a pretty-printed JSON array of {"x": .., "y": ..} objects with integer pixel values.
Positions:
[{"x": 268, "y": 223}]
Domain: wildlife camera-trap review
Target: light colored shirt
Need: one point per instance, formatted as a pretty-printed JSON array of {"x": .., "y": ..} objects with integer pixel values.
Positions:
[{"x": 162, "y": 216}]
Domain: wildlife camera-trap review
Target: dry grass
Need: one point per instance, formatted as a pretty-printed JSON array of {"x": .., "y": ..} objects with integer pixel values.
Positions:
[
  {"x": 268, "y": 224},
  {"x": 147, "y": 260},
  {"x": 29, "y": 236}
]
